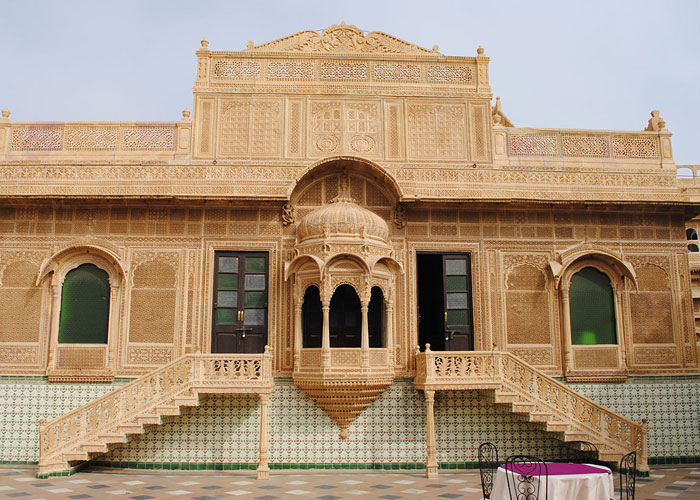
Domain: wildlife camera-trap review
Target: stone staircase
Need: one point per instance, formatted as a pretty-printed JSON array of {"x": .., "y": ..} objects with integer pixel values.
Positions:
[
  {"x": 87, "y": 432},
  {"x": 550, "y": 404}
]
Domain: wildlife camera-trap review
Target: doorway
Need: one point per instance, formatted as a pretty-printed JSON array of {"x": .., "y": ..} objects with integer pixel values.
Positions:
[
  {"x": 445, "y": 319},
  {"x": 239, "y": 314}
]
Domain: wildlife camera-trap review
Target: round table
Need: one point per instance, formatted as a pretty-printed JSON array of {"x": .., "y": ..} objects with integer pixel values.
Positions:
[{"x": 566, "y": 481}]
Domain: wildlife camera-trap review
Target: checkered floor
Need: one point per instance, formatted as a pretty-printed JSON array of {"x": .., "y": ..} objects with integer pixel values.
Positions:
[{"x": 20, "y": 482}]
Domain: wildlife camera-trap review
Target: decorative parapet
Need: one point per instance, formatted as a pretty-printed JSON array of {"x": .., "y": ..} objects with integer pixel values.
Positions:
[
  {"x": 571, "y": 143},
  {"x": 98, "y": 138},
  {"x": 340, "y": 54}
]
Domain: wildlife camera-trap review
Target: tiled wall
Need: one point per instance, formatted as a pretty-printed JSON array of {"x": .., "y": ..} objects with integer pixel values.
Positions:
[
  {"x": 672, "y": 407},
  {"x": 224, "y": 429},
  {"x": 24, "y": 402}
]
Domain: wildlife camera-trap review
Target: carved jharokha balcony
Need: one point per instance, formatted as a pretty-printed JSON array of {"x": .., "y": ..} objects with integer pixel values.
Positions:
[
  {"x": 88, "y": 431},
  {"x": 528, "y": 391},
  {"x": 344, "y": 381}
]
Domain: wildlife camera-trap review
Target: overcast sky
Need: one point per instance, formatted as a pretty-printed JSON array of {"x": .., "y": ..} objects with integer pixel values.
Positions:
[{"x": 556, "y": 64}]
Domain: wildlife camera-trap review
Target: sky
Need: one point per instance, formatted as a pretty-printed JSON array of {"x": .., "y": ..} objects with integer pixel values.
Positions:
[{"x": 555, "y": 64}]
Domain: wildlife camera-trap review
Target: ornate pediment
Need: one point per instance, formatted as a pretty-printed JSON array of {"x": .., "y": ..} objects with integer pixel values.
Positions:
[{"x": 341, "y": 38}]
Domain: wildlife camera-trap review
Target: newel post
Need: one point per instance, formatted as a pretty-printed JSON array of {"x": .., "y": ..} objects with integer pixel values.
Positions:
[{"x": 429, "y": 364}]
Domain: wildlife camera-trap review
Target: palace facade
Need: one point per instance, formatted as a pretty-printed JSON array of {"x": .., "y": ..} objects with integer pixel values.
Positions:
[{"x": 346, "y": 256}]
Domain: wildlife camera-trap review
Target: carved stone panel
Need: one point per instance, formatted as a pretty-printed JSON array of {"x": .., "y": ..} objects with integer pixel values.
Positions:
[
  {"x": 436, "y": 131},
  {"x": 338, "y": 127}
]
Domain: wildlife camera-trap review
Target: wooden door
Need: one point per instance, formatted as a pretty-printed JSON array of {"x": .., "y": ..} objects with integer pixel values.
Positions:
[
  {"x": 239, "y": 316},
  {"x": 457, "y": 287}
]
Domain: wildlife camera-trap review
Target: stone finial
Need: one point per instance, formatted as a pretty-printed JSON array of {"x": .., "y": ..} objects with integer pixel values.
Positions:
[
  {"x": 186, "y": 114},
  {"x": 205, "y": 44},
  {"x": 436, "y": 48},
  {"x": 655, "y": 123},
  {"x": 498, "y": 116},
  {"x": 249, "y": 44},
  {"x": 480, "y": 51},
  {"x": 6, "y": 114}
]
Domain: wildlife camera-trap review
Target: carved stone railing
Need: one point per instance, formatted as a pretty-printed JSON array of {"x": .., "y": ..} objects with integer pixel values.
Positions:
[
  {"x": 187, "y": 376},
  {"x": 556, "y": 402},
  {"x": 68, "y": 139},
  {"x": 571, "y": 143}
]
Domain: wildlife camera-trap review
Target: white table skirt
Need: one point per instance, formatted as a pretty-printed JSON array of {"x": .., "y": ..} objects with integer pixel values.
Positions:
[{"x": 566, "y": 486}]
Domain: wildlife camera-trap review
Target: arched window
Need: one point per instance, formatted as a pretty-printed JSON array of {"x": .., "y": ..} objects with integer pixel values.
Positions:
[
  {"x": 375, "y": 317},
  {"x": 592, "y": 308},
  {"x": 345, "y": 318},
  {"x": 691, "y": 235},
  {"x": 312, "y": 318},
  {"x": 84, "y": 315}
]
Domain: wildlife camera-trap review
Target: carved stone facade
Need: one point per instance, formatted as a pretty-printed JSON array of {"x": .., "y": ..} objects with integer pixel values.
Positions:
[{"x": 345, "y": 158}]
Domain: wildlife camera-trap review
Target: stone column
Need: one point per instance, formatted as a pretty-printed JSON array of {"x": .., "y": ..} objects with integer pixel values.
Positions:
[
  {"x": 364, "y": 343},
  {"x": 55, "y": 323},
  {"x": 298, "y": 334},
  {"x": 326, "y": 337},
  {"x": 431, "y": 465},
  {"x": 566, "y": 313},
  {"x": 389, "y": 326},
  {"x": 263, "y": 469},
  {"x": 620, "y": 326}
]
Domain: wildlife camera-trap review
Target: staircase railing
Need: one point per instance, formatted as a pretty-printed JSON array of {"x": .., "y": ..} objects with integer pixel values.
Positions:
[
  {"x": 438, "y": 370},
  {"x": 188, "y": 374}
]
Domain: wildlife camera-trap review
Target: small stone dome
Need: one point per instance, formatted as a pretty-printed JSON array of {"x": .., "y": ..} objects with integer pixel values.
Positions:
[{"x": 343, "y": 218}]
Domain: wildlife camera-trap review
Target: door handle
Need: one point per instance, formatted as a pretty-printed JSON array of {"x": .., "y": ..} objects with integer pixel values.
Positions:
[
  {"x": 445, "y": 317},
  {"x": 240, "y": 315}
]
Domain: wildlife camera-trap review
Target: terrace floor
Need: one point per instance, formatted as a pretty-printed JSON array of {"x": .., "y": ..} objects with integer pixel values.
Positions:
[{"x": 19, "y": 481}]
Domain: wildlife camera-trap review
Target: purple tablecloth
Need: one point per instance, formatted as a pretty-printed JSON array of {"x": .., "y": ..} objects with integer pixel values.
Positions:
[
  {"x": 559, "y": 468},
  {"x": 566, "y": 481}
]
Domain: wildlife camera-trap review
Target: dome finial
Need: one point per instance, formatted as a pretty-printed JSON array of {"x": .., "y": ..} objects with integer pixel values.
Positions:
[{"x": 344, "y": 189}]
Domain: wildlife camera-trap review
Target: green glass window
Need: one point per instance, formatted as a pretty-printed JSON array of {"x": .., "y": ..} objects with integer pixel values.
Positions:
[
  {"x": 84, "y": 306},
  {"x": 592, "y": 308}
]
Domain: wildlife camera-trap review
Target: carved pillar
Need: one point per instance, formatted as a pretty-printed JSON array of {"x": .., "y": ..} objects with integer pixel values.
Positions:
[
  {"x": 620, "y": 325},
  {"x": 364, "y": 345},
  {"x": 326, "y": 336},
  {"x": 55, "y": 321},
  {"x": 5, "y": 132},
  {"x": 431, "y": 465},
  {"x": 298, "y": 339},
  {"x": 389, "y": 325},
  {"x": 566, "y": 313},
  {"x": 113, "y": 328},
  {"x": 263, "y": 469}
]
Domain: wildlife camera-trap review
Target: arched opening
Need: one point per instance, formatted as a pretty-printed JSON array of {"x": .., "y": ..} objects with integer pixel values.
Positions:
[
  {"x": 592, "y": 304},
  {"x": 691, "y": 235},
  {"x": 84, "y": 317},
  {"x": 375, "y": 317},
  {"x": 345, "y": 320},
  {"x": 312, "y": 318}
]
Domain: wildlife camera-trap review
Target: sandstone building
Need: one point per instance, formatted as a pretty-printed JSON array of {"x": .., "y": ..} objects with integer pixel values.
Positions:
[{"x": 247, "y": 287}]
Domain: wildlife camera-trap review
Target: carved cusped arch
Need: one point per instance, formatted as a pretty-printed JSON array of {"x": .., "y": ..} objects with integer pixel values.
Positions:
[
  {"x": 74, "y": 362},
  {"x": 610, "y": 262},
  {"x": 597, "y": 361},
  {"x": 72, "y": 256},
  {"x": 372, "y": 171}
]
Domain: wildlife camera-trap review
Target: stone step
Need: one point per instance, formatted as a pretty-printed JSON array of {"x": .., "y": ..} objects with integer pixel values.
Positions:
[
  {"x": 112, "y": 438},
  {"x": 75, "y": 456},
  {"x": 130, "y": 428},
  {"x": 167, "y": 410},
  {"x": 93, "y": 447},
  {"x": 506, "y": 397}
]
